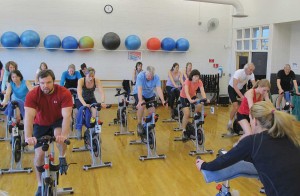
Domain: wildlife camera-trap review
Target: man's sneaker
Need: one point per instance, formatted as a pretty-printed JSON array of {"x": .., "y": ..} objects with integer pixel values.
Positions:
[
  {"x": 63, "y": 165},
  {"x": 140, "y": 129},
  {"x": 39, "y": 191}
]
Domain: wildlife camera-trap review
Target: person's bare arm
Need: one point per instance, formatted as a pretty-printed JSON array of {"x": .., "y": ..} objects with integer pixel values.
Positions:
[
  {"x": 101, "y": 91},
  {"x": 237, "y": 90},
  {"x": 79, "y": 91},
  {"x": 28, "y": 125},
  {"x": 279, "y": 86}
]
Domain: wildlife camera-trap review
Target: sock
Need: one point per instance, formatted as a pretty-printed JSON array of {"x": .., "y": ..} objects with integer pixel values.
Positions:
[{"x": 230, "y": 122}]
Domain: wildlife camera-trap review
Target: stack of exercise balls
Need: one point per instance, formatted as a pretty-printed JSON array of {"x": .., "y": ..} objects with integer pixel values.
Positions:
[
  {"x": 69, "y": 44},
  {"x": 86, "y": 43},
  {"x": 52, "y": 42},
  {"x": 132, "y": 42},
  {"x": 168, "y": 44},
  {"x": 30, "y": 38},
  {"x": 10, "y": 39},
  {"x": 153, "y": 44},
  {"x": 111, "y": 41}
]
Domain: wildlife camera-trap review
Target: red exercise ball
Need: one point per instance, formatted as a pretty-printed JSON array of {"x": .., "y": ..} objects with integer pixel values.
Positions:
[{"x": 153, "y": 43}]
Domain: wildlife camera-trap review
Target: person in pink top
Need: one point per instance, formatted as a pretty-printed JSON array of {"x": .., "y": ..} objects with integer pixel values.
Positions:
[{"x": 188, "y": 96}]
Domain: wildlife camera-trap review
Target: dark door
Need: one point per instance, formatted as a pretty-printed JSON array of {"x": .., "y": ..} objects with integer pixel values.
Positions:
[{"x": 260, "y": 61}]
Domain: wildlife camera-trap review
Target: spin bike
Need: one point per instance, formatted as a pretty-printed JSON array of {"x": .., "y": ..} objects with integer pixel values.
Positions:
[
  {"x": 7, "y": 136},
  {"x": 236, "y": 129},
  {"x": 195, "y": 131},
  {"x": 50, "y": 171},
  {"x": 92, "y": 142},
  {"x": 148, "y": 136},
  {"x": 17, "y": 137},
  {"x": 239, "y": 169},
  {"x": 286, "y": 103},
  {"x": 73, "y": 115},
  {"x": 122, "y": 114}
]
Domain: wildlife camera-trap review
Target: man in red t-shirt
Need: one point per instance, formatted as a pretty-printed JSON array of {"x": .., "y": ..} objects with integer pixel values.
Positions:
[{"x": 48, "y": 109}]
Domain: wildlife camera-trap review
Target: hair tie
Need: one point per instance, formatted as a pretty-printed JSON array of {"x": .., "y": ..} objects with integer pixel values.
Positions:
[{"x": 272, "y": 111}]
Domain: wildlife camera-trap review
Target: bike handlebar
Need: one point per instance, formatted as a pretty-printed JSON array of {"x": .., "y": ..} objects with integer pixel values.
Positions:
[
  {"x": 47, "y": 139},
  {"x": 200, "y": 101},
  {"x": 99, "y": 105}
]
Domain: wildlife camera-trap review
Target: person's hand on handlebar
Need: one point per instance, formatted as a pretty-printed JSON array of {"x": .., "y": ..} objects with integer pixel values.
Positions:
[
  {"x": 280, "y": 91},
  {"x": 139, "y": 104},
  {"x": 103, "y": 105},
  {"x": 60, "y": 139},
  {"x": 199, "y": 163},
  {"x": 3, "y": 104},
  {"x": 31, "y": 140},
  {"x": 87, "y": 105}
]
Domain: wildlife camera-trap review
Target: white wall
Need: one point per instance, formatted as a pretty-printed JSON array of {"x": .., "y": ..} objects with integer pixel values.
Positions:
[
  {"x": 263, "y": 12},
  {"x": 295, "y": 47},
  {"x": 280, "y": 46}
]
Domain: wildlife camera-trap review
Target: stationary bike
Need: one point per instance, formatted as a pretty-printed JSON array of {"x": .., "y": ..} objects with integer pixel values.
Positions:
[
  {"x": 240, "y": 169},
  {"x": 178, "y": 114},
  {"x": 286, "y": 103},
  {"x": 17, "y": 137},
  {"x": 73, "y": 115},
  {"x": 236, "y": 129},
  {"x": 195, "y": 132},
  {"x": 50, "y": 170},
  {"x": 148, "y": 136},
  {"x": 7, "y": 136},
  {"x": 92, "y": 141},
  {"x": 122, "y": 114}
]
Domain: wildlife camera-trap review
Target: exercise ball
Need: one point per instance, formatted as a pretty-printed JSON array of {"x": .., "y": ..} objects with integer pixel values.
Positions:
[
  {"x": 168, "y": 44},
  {"x": 182, "y": 44},
  {"x": 30, "y": 38},
  {"x": 10, "y": 39},
  {"x": 69, "y": 43},
  {"x": 132, "y": 42},
  {"x": 111, "y": 41},
  {"x": 86, "y": 43},
  {"x": 153, "y": 43},
  {"x": 52, "y": 42}
]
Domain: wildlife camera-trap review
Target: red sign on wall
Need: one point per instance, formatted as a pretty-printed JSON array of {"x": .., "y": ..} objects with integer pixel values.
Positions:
[{"x": 211, "y": 60}]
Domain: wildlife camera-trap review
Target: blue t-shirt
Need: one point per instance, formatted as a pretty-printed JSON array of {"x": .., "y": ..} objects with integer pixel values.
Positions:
[
  {"x": 19, "y": 93},
  {"x": 147, "y": 85},
  {"x": 69, "y": 81}
]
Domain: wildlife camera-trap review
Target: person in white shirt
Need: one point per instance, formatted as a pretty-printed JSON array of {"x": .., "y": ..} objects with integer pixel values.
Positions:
[{"x": 236, "y": 84}]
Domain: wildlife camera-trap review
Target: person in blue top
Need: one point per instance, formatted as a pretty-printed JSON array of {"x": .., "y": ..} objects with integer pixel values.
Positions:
[
  {"x": 19, "y": 89},
  {"x": 146, "y": 82},
  {"x": 69, "y": 78}
]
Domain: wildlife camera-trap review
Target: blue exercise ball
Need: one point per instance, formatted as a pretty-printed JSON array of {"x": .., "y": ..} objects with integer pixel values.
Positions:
[
  {"x": 10, "y": 39},
  {"x": 182, "y": 44},
  {"x": 69, "y": 43},
  {"x": 168, "y": 44},
  {"x": 111, "y": 41},
  {"x": 133, "y": 42},
  {"x": 52, "y": 42},
  {"x": 30, "y": 38}
]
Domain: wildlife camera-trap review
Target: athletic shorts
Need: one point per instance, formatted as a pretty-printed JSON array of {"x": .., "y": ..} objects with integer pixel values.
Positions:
[
  {"x": 233, "y": 95},
  {"x": 40, "y": 131},
  {"x": 242, "y": 117},
  {"x": 185, "y": 102}
]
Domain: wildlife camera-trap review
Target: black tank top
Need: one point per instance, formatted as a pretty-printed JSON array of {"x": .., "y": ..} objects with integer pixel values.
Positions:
[{"x": 88, "y": 93}]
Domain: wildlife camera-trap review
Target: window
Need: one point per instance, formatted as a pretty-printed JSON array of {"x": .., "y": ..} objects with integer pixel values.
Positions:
[{"x": 253, "y": 39}]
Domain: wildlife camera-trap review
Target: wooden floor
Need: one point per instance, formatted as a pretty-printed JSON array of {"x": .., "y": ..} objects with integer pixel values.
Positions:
[{"x": 176, "y": 175}]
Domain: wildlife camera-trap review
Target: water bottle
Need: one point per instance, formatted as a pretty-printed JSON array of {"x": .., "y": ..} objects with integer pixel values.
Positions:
[{"x": 212, "y": 109}]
